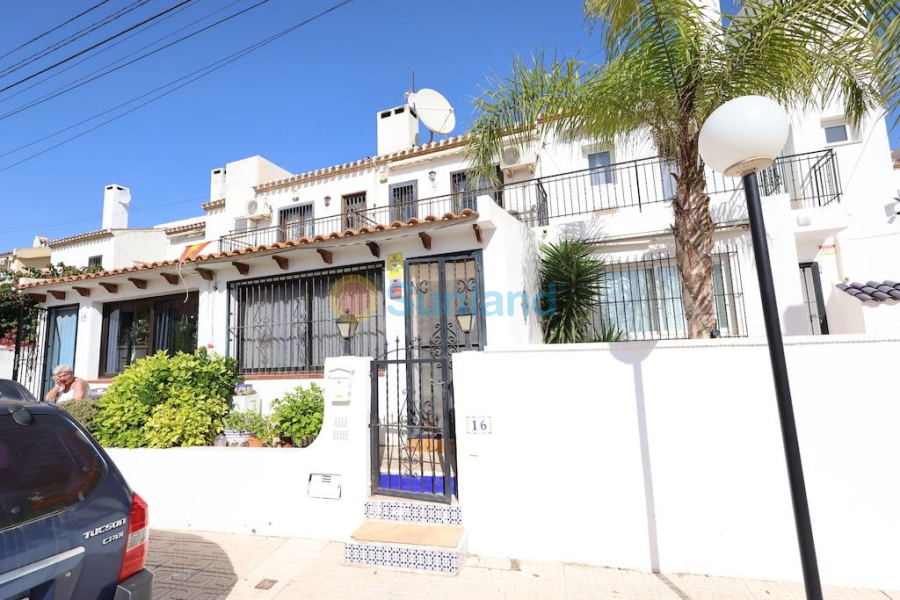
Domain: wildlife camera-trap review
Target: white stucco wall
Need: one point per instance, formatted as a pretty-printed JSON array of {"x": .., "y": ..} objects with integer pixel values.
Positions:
[
  {"x": 264, "y": 490},
  {"x": 668, "y": 456}
]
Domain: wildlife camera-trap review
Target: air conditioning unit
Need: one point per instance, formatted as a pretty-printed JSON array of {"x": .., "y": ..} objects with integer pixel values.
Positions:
[
  {"x": 258, "y": 210},
  {"x": 514, "y": 158}
]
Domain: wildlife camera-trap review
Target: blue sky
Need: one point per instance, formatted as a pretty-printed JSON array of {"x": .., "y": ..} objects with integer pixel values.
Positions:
[{"x": 306, "y": 101}]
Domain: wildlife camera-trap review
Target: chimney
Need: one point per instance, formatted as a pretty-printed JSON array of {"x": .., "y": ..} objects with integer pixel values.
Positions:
[
  {"x": 398, "y": 129},
  {"x": 217, "y": 184},
  {"x": 115, "y": 207}
]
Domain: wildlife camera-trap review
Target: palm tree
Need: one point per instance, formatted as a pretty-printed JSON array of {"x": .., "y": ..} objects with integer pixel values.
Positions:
[{"x": 669, "y": 64}]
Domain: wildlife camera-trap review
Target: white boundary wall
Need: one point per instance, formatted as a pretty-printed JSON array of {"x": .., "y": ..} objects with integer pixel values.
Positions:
[
  {"x": 264, "y": 490},
  {"x": 668, "y": 456}
]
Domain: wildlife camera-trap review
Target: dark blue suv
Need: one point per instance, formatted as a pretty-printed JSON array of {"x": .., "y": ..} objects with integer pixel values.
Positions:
[{"x": 70, "y": 527}]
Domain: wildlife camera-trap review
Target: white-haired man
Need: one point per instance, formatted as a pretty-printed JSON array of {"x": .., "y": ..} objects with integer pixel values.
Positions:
[{"x": 68, "y": 387}]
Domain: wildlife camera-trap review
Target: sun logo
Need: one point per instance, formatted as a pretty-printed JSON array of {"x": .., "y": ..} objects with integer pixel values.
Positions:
[{"x": 353, "y": 298}]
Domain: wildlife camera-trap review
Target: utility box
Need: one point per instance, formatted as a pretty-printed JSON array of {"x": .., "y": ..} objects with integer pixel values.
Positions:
[
  {"x": 324, "y": 485},
  {"x": 337, "y": 389}
]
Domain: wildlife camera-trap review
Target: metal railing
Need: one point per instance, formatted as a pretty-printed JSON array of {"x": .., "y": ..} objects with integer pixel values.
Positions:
[
  {"x": 351, "y": 219},
  {"x": 810, "y": 179}
]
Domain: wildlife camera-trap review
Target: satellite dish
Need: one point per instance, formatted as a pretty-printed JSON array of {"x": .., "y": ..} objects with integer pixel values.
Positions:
[{"x": 434, "y": 111}]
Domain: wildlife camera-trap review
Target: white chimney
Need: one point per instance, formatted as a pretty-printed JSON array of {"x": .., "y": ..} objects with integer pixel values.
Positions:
[
  {"x": 398, "y": 129},
  {"x": 217, "y": 184},
  {"x": 115, "y": 207},
  {"x": 39, "y": 241}
]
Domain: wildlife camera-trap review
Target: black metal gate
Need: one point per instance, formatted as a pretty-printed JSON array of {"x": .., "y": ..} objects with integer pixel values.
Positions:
[
  {"x": 31, "y": 344},
  {"x": 413, "y": 416},
  {"x": 412, "y": 426}
]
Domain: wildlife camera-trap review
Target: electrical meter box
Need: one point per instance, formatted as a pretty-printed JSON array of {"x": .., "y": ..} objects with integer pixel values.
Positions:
[
  {"x": 324, "y": 485},
  {"x": 337, "y": 390}
]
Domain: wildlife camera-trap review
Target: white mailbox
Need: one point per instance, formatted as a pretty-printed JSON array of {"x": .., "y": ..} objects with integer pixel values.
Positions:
[{"x": 337, "y": 390}]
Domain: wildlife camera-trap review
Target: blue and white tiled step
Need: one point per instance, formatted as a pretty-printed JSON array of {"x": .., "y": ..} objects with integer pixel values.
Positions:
[{"x": 409, "y": 536}]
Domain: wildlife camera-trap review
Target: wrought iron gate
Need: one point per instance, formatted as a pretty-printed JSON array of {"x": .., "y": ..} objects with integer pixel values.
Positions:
[
  {"x": 412, "y": 427},
  {"x": 31, "y": 344},
  {"x": 413, "y": 417}
]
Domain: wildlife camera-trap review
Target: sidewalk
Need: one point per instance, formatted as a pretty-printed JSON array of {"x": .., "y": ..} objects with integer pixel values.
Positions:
[{"x": 196, "y": 565}]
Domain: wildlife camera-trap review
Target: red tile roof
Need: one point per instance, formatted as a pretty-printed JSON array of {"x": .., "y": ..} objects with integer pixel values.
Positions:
[{"x": 465, "y": 214}]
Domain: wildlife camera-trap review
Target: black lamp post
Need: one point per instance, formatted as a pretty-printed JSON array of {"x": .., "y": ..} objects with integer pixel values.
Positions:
[
  {"x": 347, "y": 328},
  {"x": 740, "y": 138}
]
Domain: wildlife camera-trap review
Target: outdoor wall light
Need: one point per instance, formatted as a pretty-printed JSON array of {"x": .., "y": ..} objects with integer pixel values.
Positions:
[
  {"x": 739, "y": 138},
  {"x": 466, "y": 320},
  {"x": 327, "y": 200},
  {"x": 432, "y": 175},
  {"x": 347, "y": 329}
]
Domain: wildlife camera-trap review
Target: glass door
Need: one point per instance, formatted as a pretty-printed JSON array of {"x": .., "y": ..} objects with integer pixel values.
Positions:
[{"x": 61, "y": 332}]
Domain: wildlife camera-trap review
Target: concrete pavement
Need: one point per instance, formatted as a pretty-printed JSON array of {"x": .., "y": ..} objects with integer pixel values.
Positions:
[{"x": 206, "y": 566}]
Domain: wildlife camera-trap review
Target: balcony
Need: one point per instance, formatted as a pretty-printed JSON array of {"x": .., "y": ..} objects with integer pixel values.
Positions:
[{"x": 810, "y": 180}]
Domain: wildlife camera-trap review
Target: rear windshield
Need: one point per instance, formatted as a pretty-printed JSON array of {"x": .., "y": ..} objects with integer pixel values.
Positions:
[{"x": 45, "y": 467}]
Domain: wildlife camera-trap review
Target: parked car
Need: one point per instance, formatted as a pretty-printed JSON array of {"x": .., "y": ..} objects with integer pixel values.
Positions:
[{"x": 70, "y": 527}]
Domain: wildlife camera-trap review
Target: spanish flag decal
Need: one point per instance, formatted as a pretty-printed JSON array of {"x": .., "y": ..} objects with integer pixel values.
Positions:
[{"x": 193, "y": 251}]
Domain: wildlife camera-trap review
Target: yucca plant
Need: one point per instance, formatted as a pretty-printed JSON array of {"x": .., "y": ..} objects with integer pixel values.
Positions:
[
  {"x": 572, "y": 278},
  {"x": 669, "y": 64}
]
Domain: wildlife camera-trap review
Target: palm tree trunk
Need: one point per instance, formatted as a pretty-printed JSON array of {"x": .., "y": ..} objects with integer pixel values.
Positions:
[{"x": 693, "y": 231}]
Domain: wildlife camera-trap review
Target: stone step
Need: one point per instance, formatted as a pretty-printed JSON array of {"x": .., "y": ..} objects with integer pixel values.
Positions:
[
  {"x": 412, "y": 511},
  {"x": 407, "y": 547}
]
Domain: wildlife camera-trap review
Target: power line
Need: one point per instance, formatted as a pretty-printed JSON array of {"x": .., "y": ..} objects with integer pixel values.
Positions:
[
  {"x": 75, "y": 36},
  {"x": 196, "y": 75},
  {"x": 49, "y": 31},
  {"x": 96, "y": 45},
  {"x": 121, "y": 41},
  {"x": 84, "y": 81}
]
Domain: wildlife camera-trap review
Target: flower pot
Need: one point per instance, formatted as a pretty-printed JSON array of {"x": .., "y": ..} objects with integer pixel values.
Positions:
[
  {"x": 255, "y": 443},
  {"x": 233, "y": 437}
]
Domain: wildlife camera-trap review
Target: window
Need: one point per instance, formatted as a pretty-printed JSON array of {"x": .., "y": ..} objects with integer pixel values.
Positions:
[
  {"x": 353, "y": 208},
  {"x": 132, "y": 330},
  {"x": 47, "y": 467},
  {"x": 643, "y": 299},
  {"x": 285, "y": 324},
  {"x": 95, "y": 261},
  {"x": 460, "y": 188},
  {"x": 835, "y": 134},
  {"x": 599, "y": 163},
  {"x": 296, "y": 222},
  {"x": 240, "y": 224},
  {"x": 403, "y": 198}
]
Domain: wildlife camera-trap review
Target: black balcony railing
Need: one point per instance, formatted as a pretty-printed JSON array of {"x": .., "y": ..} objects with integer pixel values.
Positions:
[{"x": 810, "y": 180}]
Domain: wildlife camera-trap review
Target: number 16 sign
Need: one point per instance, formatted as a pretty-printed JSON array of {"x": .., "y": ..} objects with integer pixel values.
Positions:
[{"x": 478, "y": 425}]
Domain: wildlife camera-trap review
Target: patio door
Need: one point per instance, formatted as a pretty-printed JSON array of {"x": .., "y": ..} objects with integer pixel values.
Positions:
[
  {"x": 62, "y": 328},
  {"x": 813, "y": 298}
]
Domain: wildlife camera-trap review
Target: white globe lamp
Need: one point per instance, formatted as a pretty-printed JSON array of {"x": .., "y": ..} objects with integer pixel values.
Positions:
[{"x": 744, "y": 135}]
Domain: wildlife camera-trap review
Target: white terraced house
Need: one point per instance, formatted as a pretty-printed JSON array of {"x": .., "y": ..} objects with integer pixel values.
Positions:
[{"x": 443, "y": 268}]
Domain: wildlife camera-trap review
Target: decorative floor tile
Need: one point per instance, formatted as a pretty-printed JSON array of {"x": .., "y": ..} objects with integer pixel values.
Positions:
[
  {"x": 404, "y": 557},
  {"x": 413, "y": 512}
]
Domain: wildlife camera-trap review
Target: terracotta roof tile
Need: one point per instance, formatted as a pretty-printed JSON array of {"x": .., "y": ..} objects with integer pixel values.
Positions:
[
  {"x": 872, "y": 291},
  {"x": 213, "y": 204},
  {"x": 198, "y": 226},
  {"x": 466, "y": 213}
]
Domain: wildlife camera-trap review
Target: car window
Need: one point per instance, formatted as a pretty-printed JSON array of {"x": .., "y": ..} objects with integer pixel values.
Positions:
[
  {"x": 45, "y": 467},
  {"x": 13, "y": 390}
]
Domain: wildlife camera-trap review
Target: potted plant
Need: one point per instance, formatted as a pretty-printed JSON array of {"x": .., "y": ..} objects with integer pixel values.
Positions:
[
  {"x": 298, "y": 415},
  {"x": 236, "y": 432},
  {"x": 260, "y": 428}
]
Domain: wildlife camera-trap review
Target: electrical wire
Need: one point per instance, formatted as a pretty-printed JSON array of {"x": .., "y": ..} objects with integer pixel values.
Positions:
[
  {"x": 75, "y": 36},
  {"x": 49, "y": 31},
  {"x": 196, "y": 75},
  {"x": 121, "y": 41},
  {"x": 84, "y": 81},
  {"x": 96, "y": 45}
]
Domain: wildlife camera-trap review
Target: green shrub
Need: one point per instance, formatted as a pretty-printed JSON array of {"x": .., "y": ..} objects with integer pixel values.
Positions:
[
  {"x": 164, "y": 401},
  {"x": 299, "y": 414},
  {"x": 84, "y": 410},
  {"x": 260, "y": 427}
]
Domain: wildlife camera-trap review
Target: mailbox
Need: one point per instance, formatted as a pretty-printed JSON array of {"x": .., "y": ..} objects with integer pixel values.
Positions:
[{"x": 337, "y": 390}]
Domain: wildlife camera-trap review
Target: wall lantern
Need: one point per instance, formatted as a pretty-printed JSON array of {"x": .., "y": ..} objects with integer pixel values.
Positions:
[
  {"x": 327, "y": 200},
  {"x": 466, "y": 320},
  {"x": 346, "y": 326},
  {"x": 432, "y": 175}
]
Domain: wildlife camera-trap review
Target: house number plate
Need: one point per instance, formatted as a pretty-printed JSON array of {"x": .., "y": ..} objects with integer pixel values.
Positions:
[{"x": 478, "y": 425}]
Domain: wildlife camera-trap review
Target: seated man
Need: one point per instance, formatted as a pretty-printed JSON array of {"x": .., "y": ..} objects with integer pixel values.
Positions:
[{"x": 67, "y": 386}]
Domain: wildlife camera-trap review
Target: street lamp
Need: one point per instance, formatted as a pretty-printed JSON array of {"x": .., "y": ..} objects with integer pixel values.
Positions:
[
  {"x": 466, "y": 320},
  {"x": 347, "y": 328},
  {"x": 738, "y": 139}
]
